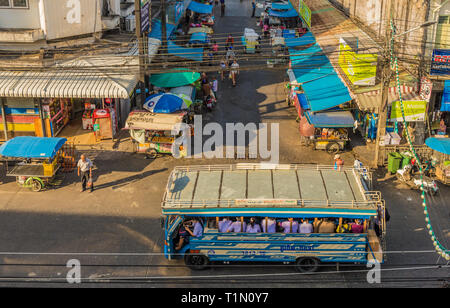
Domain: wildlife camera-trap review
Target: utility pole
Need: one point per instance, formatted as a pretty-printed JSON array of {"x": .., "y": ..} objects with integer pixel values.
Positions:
[
  {"x": 385, "y": 83},
  {"x": 140, "y": 42}
]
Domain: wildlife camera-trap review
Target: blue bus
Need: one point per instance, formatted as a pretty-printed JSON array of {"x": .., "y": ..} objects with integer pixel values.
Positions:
[{"x": 275, "y": 193}]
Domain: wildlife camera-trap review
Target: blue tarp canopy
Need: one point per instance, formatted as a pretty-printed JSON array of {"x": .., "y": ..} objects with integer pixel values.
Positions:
[
  {"x": 32, "y": 147},
  {"x": 321, "y": 84},
  {"x": 156, "y": 30},
  {"x": 306, "y": 39},
  {"x": 282, "y": 6},
  {"x": 441, "y": 145},
  {"x": 303, "y": 101},
  {"x": 336, "y": 119},
  {"x": 200, "y": 8},
  {"x": 199, "y": 37},
  {"x": 445, "y": 105},
  {"x": 283, "y": 14},
  {"x": 194, "y": 54}
]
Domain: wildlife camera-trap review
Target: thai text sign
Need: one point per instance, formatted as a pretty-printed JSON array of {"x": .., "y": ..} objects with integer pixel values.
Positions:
[
  {"x": 361, "y": 69},
  {"x": 305, "y": 12},
  {"x": 414, "y": 111},
  {"x": 440, "y": 64}
]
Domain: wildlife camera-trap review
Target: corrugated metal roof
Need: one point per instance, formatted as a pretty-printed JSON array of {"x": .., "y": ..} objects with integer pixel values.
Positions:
[{"x": 86, "y": 77}]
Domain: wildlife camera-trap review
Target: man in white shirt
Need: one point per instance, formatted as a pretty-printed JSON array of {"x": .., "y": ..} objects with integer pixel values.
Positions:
[{"x": 85, "y": 172}]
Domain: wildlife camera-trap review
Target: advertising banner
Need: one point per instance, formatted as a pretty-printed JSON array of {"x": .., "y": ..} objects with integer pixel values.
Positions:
[
  {"x": 361, "y": 69},
  {"x": 414, "y": 111},
  {"x": 145, "y": 15},
  {"x": 305, "y": 12},
  {"x": 440, "y": 64}
]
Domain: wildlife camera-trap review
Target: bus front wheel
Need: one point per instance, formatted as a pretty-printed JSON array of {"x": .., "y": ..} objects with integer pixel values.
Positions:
[
  {"x": 307, "y": 265},
  {"x": 196, "y": 262}
]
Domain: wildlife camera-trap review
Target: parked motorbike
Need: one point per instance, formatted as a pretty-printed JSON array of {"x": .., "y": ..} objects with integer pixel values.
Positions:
[
  {"x": 209, "y": 103},
  {"x": 404, "y": 175}
]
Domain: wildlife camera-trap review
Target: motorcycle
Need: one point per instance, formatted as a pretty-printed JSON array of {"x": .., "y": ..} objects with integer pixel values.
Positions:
[
  {"x": 429, "y": 185},
  {"x": 209, "y": 103}
]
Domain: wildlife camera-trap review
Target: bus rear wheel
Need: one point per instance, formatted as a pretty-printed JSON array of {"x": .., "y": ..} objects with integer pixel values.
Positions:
[
  {"x": 307, "y": 265},
  {"x": 196, "y": 262}
]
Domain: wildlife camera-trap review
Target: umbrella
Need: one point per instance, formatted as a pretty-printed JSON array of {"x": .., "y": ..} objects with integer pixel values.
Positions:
[
  {"x": 165, "y": 103},
  {"x": 441, "y": 145},
  {"x": 187, "y": 101},
  {"x": 174, "y": 78}
]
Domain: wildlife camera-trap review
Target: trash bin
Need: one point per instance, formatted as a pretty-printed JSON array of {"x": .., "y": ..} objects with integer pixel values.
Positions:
[
  {"x": 394, "y": 162},
  {"x": 406, "y": 160}
]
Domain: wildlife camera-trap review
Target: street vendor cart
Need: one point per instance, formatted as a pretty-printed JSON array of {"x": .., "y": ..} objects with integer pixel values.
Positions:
[
  {"x": 36, "y": 160},
  {"x": 158, "y": 134},
  {"x": 331, "y": 130}
]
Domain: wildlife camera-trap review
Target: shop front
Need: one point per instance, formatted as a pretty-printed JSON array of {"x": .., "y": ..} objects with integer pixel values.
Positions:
[{"x": 71, "y": 103}]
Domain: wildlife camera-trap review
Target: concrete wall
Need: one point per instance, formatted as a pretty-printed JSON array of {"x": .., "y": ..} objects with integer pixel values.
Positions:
[{"x": 21, "y": 18}]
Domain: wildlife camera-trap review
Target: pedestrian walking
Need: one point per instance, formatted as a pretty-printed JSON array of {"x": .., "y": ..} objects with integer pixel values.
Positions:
[
  {"x": 206, "y": 88},
  {"x": 253, "y": 8},
  {"x": 338, "y": 162},
  {"x": 234, "y": 72},
  {"x": 229, "y": 42},
  {"x": 85, "y": 173},
  {"x": 222, "y": 8}
]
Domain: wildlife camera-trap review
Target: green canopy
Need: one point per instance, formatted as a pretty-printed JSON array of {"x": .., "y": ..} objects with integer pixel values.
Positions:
[{"x": 174, "y": 78}]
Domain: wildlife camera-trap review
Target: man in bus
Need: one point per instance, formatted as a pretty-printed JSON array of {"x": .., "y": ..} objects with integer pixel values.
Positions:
[
  {"x": 186, "y": 232},
  {"x": 224, "y": 224},
  {"x": 238, "y": 226},
  {"x": 305, "y": 227},
  {"x": 269, "y": 225},
  {"x": 324, "y": 226},
  {"x": 289, "y": 226}
]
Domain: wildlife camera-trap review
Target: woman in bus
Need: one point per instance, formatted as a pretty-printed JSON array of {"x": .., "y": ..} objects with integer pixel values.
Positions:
[{"x": 253, "y": 227}]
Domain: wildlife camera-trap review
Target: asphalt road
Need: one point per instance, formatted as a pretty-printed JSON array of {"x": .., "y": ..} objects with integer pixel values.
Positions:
[{"x": 115, "y": 232}]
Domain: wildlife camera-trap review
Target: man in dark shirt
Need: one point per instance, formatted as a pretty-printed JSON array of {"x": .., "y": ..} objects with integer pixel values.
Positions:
[{"x": 222, "y": 8}]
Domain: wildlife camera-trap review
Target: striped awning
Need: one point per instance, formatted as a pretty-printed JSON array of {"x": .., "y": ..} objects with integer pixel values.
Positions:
[
  {"x": 371, "y": 101},
  {"x": 87, "y": 77}
]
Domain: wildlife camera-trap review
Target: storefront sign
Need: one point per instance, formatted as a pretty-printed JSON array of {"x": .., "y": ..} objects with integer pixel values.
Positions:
[
  {"x": 426, "y": 86},
  {"x": 305, "y": 12},
  {"x": 414, "y": 111},
  {"x": 440, "y": 64},
  {"x": 361, "y": 69}
]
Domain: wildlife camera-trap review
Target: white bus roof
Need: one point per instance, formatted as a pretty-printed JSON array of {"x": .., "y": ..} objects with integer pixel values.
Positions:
[{"x": 268, "y": 186}]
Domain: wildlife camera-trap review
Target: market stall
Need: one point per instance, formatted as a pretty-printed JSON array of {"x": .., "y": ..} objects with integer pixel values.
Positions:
[
  {"x": 156, "y": 134},
  {"x": 37, "y": 160}
]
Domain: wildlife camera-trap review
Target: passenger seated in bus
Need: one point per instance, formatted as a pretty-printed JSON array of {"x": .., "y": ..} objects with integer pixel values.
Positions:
[
  {"x": 253, "y": 227},
  {"x": 237, "y": 226},
  {"x": 305, "y": 227},
  {"x": 185, "y": 232},
  {"x": 289, "y": 226},
  {"x": 324, "y": 226},
  {"x": 345, "y": 227},
  {"x": 357, "y": 227},
  {"x": 269, "y": 225},
  {"x": 224, "y": 224}
]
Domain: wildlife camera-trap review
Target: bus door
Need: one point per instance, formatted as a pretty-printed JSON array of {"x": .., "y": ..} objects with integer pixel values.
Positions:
[{"x": 171, "y": 226}]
